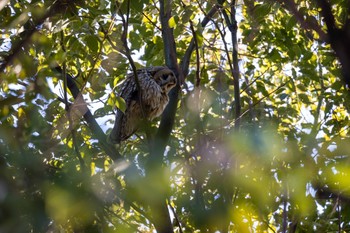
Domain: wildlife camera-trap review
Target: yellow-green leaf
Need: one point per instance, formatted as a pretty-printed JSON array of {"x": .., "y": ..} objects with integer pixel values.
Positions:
[
  {"x": 21, "y": 113},
  {"x": 172, "y": 22},
  {"x": 120, "y": 103},
  {"x": 93, "y": 168}
]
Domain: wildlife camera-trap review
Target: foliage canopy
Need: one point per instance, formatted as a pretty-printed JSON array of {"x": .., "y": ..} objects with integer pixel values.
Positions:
[{"x": 256, "y": 138}]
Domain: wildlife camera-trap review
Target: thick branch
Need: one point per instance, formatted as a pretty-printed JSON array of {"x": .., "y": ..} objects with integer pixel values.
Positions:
[
  {"x": 89, "y": 118},
  {"x": 236, "y": 73},
  {"x": 168, "y": 116},
  {"x": 326, "y": 12},
  {"x": 159, "y": 207},
  {"x": 338, "y": 39}
]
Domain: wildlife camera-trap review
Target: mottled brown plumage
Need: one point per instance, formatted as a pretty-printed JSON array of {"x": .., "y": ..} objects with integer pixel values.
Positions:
[{"x": 155, "y": 83}]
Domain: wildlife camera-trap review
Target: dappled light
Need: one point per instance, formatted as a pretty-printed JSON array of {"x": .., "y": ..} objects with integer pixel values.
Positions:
[{"x": 254, "y": 136}]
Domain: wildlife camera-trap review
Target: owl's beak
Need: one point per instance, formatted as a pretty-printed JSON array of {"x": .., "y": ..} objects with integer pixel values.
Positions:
[{"x": 169, "y": 83}]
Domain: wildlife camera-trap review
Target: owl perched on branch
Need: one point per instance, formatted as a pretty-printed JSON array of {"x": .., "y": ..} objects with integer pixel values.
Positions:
[{"x": 155, "y": 84}]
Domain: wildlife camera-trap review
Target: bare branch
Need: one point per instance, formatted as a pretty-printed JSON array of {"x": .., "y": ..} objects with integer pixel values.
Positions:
[{"x": 338, "y": 39}]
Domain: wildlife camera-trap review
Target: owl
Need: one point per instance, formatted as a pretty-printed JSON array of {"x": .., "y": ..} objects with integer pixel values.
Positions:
[{"x": 155, "y": 84}]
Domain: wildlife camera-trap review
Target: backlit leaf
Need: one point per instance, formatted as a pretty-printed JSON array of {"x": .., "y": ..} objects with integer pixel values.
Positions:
[{"x": 172, "y": 22}]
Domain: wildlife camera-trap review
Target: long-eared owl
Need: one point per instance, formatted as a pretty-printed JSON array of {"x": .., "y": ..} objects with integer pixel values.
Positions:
[{"x": 155, "y": 84}]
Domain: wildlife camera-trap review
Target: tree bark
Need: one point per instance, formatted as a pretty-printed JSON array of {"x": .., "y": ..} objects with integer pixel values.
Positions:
[{"x": 89, "y": 118}]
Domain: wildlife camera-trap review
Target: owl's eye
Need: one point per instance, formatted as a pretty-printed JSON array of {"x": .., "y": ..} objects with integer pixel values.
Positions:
[{"x": 164, "y": 77}]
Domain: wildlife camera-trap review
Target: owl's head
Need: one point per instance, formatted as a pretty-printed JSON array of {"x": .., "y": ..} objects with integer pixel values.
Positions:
[{"x": 165, "y": 78}]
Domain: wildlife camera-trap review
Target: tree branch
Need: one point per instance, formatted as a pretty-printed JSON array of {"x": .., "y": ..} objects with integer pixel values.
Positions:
[
  {"x": 236, "y": 73},
  {"x": 67, "y": 106},
  {"x": 261, "y": 99},
  {"x": 55, "y": 8},
  {"x": 185, "y": 62},
  {"x": 158, "y": 206},
  {"x": 198, "y": 79},
  {"x": 338, "y": 39},
  {"x": 168, "y": 116},
  {"x": 308, "y": 25},
  {"x": 89, "y": 118},
  {"x": 326, "y": 12}
]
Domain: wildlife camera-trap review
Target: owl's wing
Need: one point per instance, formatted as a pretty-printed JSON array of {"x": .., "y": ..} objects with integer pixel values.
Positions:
[
  {"x": 114, "y": 136},
  {"x": 151, "y": 91},
  {"x": 127, "y": 123},
  {"x": 128, "y": 91}
]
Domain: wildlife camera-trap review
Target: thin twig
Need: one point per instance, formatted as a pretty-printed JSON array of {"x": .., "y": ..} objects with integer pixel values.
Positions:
[
  {"x": 195, "y": 40},
  {"x": 121, "y": 219},
  {"x": 153, "y": 23},
  {"x": 254, "y": 80},
  {"x": 198, "y": 79},
  {"x": 125, "y": 23},
  {"x": 261, "y": 99},
  {"x": 176, "y": 217},
  {"x": 187, "y": 57}
]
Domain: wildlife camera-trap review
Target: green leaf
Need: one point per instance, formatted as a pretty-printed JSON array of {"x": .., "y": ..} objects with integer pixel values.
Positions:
[
  {"x": 172, "y": 22},
  {"x": 137, "y": 5},
  {"x": 54, "y": 165},
  {"x": 262, "y": 10},
  {"x": 92, "y": 43},
  {"x": 187, "y": 15},
  {"x": 283, "y": 96},
  {"x": 304, "y": 98},
  {"x": 301, "y": 87},
  {"x": 292, "y": 22},
  {"x": 120, "y": 104}
]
